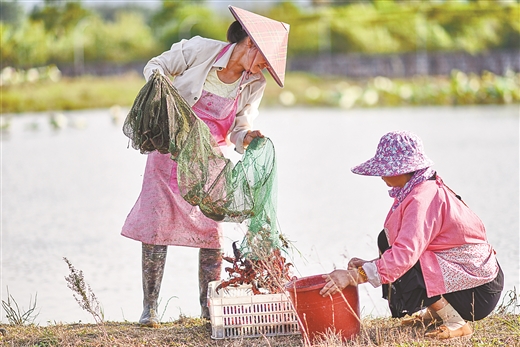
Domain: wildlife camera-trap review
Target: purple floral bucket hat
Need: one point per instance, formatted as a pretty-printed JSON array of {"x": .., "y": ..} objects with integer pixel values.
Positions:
[{"x": 398, "y": 152}]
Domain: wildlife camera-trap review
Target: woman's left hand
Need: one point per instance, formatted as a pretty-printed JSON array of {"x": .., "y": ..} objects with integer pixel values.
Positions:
[
  {"x": 250, "y": 136},
  {"x": 337, "y": 280}
]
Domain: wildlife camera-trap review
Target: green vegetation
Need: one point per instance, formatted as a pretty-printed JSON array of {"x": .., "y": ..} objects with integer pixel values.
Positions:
[
  {"x": 67, "y": 32},
  {"x": 456, "y": 89},
  {"x": 85, "y": 92},
  {"x": 16, "y": 315},
  {"x": 50, "y": 93}
]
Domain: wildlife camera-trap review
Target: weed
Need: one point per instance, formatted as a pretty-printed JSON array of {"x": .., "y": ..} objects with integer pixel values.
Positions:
[
  {"x": 193, "y": 332},
  {"x": 84, "y": 295},
  {"x": 166, "y": 306},
  {"x": 512, "y": 304},
  {"x": 17, "y": 316}
]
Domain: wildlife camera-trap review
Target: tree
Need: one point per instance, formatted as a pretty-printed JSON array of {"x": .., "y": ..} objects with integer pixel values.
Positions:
[
  {"x": 11, "y": 12},
  {"x": 23, "y": 46},
  {"x": 183, "y": 19},
  {"x": 109, "y": 10},
  {"x": 60, "y": 16},
  {"x": 169, "y": 12}
]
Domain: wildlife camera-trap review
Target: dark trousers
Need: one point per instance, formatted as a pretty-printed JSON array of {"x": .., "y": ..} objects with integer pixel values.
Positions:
[{"x": 408, "y": 293}]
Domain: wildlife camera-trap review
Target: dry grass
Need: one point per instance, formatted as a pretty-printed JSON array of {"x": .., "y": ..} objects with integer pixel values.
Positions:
[
  {"x": 496, "y": 330},
  {"x": 501, "y": 329}
]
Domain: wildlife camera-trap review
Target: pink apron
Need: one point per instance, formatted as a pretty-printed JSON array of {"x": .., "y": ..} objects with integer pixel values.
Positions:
[{"x": 161, "y": 216}]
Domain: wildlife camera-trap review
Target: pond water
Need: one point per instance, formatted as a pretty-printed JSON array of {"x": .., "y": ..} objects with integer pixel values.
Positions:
[{"x": 66, "y": 193}]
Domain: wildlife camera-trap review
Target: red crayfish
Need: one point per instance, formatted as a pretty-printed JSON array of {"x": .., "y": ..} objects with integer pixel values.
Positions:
[{"x": 269, "y": 272}]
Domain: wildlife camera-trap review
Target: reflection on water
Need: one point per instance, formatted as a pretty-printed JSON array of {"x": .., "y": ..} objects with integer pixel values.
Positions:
[{"x": 67, "y": 188}]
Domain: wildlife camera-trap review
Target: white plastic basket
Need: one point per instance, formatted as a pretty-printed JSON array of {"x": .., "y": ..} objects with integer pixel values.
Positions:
[{"x": 236, "y": 313}]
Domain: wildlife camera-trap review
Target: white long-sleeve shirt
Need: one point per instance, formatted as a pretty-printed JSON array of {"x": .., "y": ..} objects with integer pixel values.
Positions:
[{"x": 190, "y": 61}]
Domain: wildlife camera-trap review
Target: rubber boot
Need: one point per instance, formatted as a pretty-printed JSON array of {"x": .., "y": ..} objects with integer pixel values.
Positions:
[
  {"x": 210, "y": 264},
  {"x": 153, "y": 260}
]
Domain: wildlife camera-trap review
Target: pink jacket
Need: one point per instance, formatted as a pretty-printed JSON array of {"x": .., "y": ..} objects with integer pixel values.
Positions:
[{"x": 429, "y": 220}]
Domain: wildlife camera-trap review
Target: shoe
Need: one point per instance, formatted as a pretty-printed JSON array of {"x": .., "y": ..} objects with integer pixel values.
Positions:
[
  {"x": 149, "y": 321},
  {"x": 424, "y": 319},
  {"x": 444, "y": 333}
]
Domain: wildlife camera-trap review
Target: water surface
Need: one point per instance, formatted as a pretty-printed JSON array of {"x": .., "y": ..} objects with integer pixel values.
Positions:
[{"x": 66, "y": 193}]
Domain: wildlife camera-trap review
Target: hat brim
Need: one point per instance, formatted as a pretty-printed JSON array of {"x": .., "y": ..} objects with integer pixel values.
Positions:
[
  {"x": 388, "y": 168},
  {"x": 270, "y": 36}
]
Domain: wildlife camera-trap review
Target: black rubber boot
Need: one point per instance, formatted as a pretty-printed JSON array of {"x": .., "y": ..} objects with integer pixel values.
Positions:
[
  {"x": 153, "y": 260},
  {"x": 210, "y": 265}
]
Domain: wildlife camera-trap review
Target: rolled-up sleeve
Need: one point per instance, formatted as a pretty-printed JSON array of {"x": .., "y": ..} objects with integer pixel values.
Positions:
[{"x": 244, "y": 119}]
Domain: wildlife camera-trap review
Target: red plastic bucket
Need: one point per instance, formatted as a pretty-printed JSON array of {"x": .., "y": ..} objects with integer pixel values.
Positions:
[{"x": 317, "y": 315}]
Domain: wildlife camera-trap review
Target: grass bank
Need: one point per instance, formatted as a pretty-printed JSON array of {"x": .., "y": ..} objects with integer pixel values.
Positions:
[
  {"x": 301, "y": 89},
  {"x": 70, "y": 94},
  {"x": 496, "y": 330}
]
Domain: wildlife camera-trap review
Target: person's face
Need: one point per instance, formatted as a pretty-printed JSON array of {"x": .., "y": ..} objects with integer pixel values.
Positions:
[
  {"x": 259, "y": 62},
  {"x": 396, "y": 181}
]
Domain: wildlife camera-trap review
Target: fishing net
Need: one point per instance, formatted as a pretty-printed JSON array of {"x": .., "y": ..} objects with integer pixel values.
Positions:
[{"x": 160, "y": 119}]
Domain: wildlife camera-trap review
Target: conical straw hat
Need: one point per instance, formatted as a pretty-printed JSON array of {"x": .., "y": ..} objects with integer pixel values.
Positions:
[{"x": 270, "y": 36}]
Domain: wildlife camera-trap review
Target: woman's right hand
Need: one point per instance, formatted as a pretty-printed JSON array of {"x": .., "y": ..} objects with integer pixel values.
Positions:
[
  {"x": 337, "y": 280},
  {"x": 354, "y": 263}
]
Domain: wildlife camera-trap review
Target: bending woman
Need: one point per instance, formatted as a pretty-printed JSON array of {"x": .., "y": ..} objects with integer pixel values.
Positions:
[
  {"x": 224, "y": 84},
  {"x": 434, "y": 252}
]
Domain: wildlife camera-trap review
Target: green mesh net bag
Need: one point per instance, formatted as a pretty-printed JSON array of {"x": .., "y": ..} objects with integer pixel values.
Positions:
[{"x": 160, "y": 119}]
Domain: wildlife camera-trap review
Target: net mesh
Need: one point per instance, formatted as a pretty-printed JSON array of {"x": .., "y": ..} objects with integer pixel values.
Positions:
[{"x": 160, "y": 119}]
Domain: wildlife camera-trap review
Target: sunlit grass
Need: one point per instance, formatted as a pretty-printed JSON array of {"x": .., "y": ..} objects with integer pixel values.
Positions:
[
  {"x": 86, "y": 92},
  {"x": 336, "y": 91},
  {"x": 501, "y": 330},
  {"x": 301, "y": 89}
]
